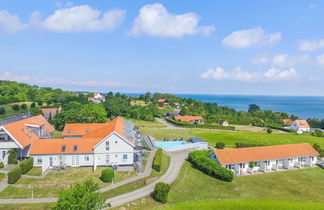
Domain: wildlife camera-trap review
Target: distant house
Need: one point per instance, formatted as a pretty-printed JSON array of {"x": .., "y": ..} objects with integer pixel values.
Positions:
[
  {"x": 163, "y": 102},
  {"x": 266, "y": 158},
  {"x": 287, "y": 121},
  {"x": 50, "y": 113},
  {"x": 176, "y": 104},
  {"x": 223, "y": 123},
  {"x": 190, "y": 119},
  {"x": 97, "y": 98},
  {"x": 300, "y": 126}
]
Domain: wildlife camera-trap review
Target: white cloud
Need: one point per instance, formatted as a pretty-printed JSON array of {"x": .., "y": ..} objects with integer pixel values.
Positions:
[
  {"x": 310, "y": 45},
  {"x": 320, "y": 61},
  {"x": 56, "y": 81},
  {"x": 250, "y": 38},
  {"x": 312, "y": 6},
  {"x": 10, "y": 23},
  {"x": 260, "y": 59},
  {"x": 284, "y": 60},
  {"x": 155, "y": 20},
  {"x": 220, "y": 74},
  {"x": 278, "y": 74},
  {"x": 82, "y": 18}
]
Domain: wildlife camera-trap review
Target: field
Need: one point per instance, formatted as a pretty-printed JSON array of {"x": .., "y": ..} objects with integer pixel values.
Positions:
[
  {"x": 10, "y": 112},
  {"x": 139, "y": 103},
  {"x": 229, "y": 137},
  {"x": 304, "y": 186},
  {"x": 142, "y": 123}
]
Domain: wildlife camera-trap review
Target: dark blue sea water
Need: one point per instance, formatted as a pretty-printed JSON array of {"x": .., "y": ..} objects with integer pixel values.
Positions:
[{"x": 303, "y": 106}]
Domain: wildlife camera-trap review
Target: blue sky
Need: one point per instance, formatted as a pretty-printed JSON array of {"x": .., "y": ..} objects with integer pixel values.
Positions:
[{"x": 221, "y": 47}]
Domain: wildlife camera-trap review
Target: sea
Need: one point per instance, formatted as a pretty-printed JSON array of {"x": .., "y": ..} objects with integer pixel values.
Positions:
[{"x": 304, "y": 107}]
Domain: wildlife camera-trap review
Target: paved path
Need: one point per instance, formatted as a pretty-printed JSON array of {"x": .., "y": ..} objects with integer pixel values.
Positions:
[
  {"x": 146, "y": 173},
  {"x": 29, "y": 200},
  {"x": 177, "y": 159},
  {"x": 4, "y": 183}
]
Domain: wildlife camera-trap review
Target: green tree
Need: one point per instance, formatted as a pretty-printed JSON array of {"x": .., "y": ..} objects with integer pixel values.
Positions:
[
  {"x": 40, "y": 103},
  {"x": 161, "y": 191},
  {"x": 269, "y": 130},
  {"x": 2, "y": 111},
  {"x": 93, "y": 113},
  {"x": 15, "y": 107},
  {"x": 32, "y": 105},
  {"x": 220, "y": 145},
  {"x": 253, "y": 108},
  {"x": 84, "y": 196},
  {"x": 23, "y": 106}
]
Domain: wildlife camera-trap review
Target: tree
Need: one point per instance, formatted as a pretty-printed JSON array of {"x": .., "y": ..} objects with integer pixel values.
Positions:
[
  {"x": 15, "y": 107},
  {"x": 2, "y": 111},
  {"x": 49, "y": 102},
  {"x": 269, "y": 130},
  {"x": 82, "y": 196},
  {"x": 253, "y": 108},
  {"x": 40, "y": 103},
  {"x": 23, "y": 106},
  {"x": 161, "y": 191},
  {"x": 220, "y": 145},
  {"x": 32, "y": 105}
]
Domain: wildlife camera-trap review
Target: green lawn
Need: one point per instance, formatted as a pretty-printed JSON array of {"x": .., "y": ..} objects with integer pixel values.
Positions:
[
  {"x": 2, "y": 176},
  {"x": 141, "y": 182},
  {"x": 35, "y": 171},
  {"x": 27, "y": 206},
  {"x": 304, "y": 186},
  {"x": 10, "y": 112},
  {"x": 50, "y": 185},
  {"x": 142, "y": 123},
  {"x": 230, "y": 137}
]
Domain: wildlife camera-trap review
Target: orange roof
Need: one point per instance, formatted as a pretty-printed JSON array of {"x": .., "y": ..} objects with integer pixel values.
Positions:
[
  {"x": 88, "y": 140},
  {"x": 241, "y": 155},
  {"x": 302, "y": 123},
  {"x": 79, "y": 129},
  {"x": 287, "y": 121},
  {"x": 161, "y": 100},
  {"x": 20, "y": 132},
  {"x": 188, "y": 118}
]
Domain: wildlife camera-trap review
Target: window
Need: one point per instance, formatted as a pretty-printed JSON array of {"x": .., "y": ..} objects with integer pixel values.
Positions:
[
  {"x": 39, "y": 160},
  {"x": 68, "y": 131},
  {"x": 63, "y": 148},
  {"x": 86, "y": 158},
  {"x": 125, "y": 157},
  {"x": 116, "y": 142},
  {"x": 313, "y": 158},
  {"x": 268, "y": 163},
  {"x": 75, "y": 148},
  {"x": 107, "y": 145}
]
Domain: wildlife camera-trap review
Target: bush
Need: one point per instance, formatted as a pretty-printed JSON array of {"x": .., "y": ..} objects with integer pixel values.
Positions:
[
  {"x": 15, "y": 107},
  {"x": 32, "y": 105},
  {"x": 26, "y": 165},
  {"x": 241, "y": 145},
  {"x": 220, "y": 145},
  {"x": 107, "y": 175},
  {"x": 1, "y": 165},
  {"x": 39, "y": 103},
  {"x": 157, "y": 162},
  {"x": 23, "y": 106},
  {"x": 252, "y": 164},
  {"x": 14, "y": 175},
  {"x": 12, "y": 159},
  {"x": 269, "y": 130},
  {"x": 161, "y": 192},
  {"x": 202, "y": 162},
  {"x": 2, "y": 110}
]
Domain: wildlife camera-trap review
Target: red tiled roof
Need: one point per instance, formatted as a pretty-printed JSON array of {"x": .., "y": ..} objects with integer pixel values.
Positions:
[
  {"x": 240, "y": 155},
  {"x": 302, "y": 123},
  {"x": 188, "y": 118},
  {"x": 287, "y": 121},
  {"x": 80, "y": 129},
  {"x": 20, "y": 132}
]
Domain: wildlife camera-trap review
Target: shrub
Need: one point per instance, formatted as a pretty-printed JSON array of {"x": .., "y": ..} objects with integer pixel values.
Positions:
[
  {"x": 14, "y": 175},
  {"x": 161, "y": 192},
  {"x": 269, "y": 130},
  {"x": 1, "y": 165},
  {"x": 39, "y": 103},
  {"x": 107, "y": 175},
  {"x": 32, "y": 105},
  {"x": 157, "y": 162},
  {"x": 241, "y": 145},
  {"x": 220, "y": 145},
  {"x": 26, "y": 165},
  {"x": 202, "y": 162},
  {"x": 12, "y": 159},
  {"x": 252, "y": 164},
  {"x": 2, "y": 110},
  {"x": 23, "y": 106},
  {"x": 15, "y": 107}
]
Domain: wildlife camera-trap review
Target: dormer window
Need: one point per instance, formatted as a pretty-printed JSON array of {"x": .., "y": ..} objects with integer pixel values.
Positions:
[
  {"x": 63, "y": 148},
  {"x": 68, "y": 131},
  {"x": 75, "y": 148}
]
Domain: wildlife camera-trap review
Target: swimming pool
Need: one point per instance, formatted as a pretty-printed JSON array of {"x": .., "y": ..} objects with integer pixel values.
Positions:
[{"x": 164, "y": 144}]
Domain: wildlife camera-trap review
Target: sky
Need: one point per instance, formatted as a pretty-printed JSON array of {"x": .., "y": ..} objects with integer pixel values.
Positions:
[{"x": 246, "y": 47}]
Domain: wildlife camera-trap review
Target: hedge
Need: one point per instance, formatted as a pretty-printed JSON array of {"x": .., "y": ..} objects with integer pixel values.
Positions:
[
  {"x": 208, "y": 126},
  {"x": 202, "y": 162},
  {"x": 14, "y": 175},
  {"x": 241, "y": 145},
  {"x": 12, "y": 159},
  {"x": 1, "y": 165},
  {"x": 157, "y": 162},
  {"x": 161, "y": 192},
  {"x": 107, "y": 175},
  {"x": 26, "y": 165},
  {"x": 220, "y": 145}
]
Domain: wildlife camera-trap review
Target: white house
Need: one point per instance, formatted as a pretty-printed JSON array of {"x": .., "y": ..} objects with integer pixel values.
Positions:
[
  {"x": 97, "y": 98},
  {"x": 20, "y": 135},
  {"x": 266, "y": 158},
  {"x": 98, "y": 144},
  {"x": 300, "y": 126}
]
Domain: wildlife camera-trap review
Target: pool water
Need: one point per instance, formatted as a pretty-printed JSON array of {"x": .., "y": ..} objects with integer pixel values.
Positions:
[{"x": 164, "y": 144}]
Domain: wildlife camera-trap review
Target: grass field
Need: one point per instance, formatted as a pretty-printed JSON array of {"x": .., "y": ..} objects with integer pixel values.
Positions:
[
  {"x": 27, "y": 206},
  {"x": 142, "y": 123},
  {"x": 229, "y": 137},
  {"x": 138, "y": 103},
  {"x": 141, "y": 182},
  {"x": 53, "y": 182},
  {"x": 303, "y": 186},
  {"x": 10, "y": 112},
  {"x": 35, "y": 171},
  {"x": 2, "y": 176}
]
